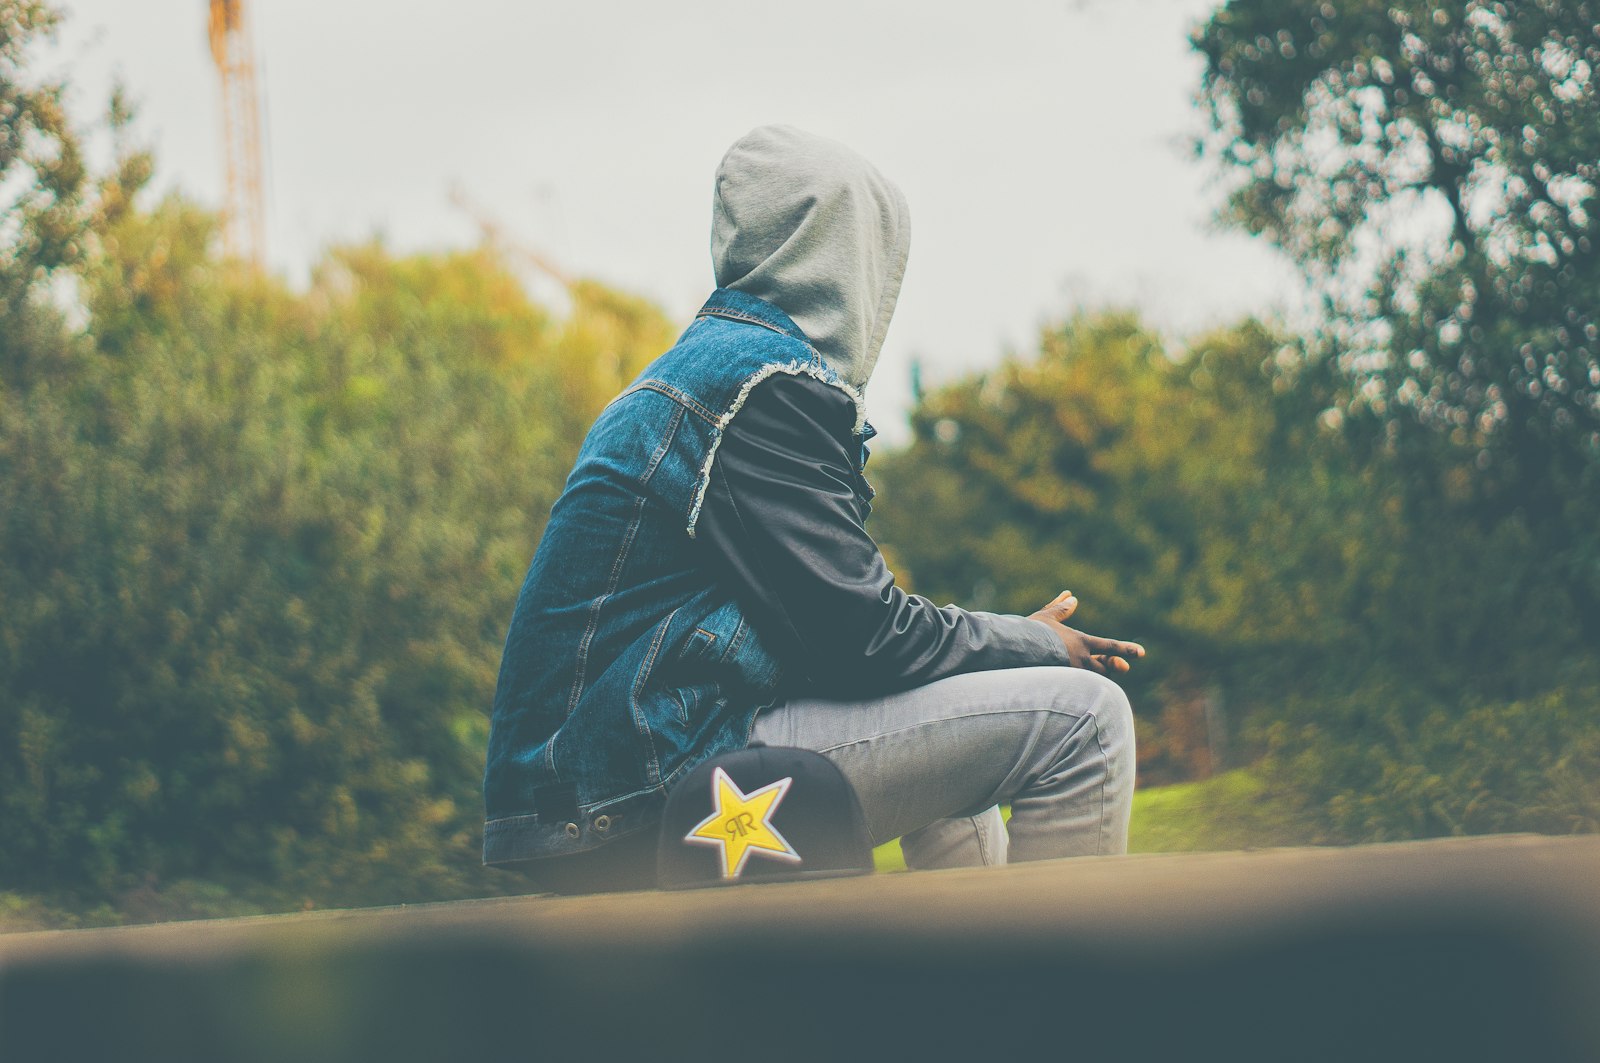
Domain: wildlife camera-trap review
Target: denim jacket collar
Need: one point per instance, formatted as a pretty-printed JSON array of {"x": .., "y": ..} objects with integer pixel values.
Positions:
[{"x": 737, "y": 306}]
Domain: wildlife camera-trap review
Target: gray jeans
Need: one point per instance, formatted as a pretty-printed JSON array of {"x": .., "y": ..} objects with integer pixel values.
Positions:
[{"x": 932, "y": 765}]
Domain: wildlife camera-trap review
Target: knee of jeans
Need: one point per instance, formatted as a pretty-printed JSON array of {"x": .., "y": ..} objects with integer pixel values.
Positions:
[{"x": 1113, "y": 714}]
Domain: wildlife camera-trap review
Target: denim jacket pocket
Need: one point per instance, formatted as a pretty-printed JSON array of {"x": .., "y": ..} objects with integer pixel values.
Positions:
[
  {"x": 699, "y": 645},
  {"x": 693, "y": 662}
]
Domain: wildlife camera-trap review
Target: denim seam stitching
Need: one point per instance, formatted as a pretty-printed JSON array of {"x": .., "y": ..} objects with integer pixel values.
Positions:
[
  {"x": 951, "y": 719},
  {"x": 667, "y": 437},
  {"x": 599, "y": 603},
  {"x": 983, "y": 840},
  {"x": 738, "y": 315},
  {"x": 681, "y": 398},
  {"x": 737, "y": 641},
  {"x": 1105, "y": 777},
  {"x": 636, "y": 711}
]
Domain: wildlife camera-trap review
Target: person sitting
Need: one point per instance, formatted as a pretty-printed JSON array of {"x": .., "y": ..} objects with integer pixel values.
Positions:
[{"x": 706, "y": 581}]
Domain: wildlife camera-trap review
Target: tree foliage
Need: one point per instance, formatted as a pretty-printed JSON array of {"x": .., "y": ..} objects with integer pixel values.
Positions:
[
  {"x": 1434, "y": 169},
  {"x": 260, "y": 545},
  {"x": 1298, "y": 604},
  {"x": 1155, "y": 487},
  {"x": 42, "y": 174}
]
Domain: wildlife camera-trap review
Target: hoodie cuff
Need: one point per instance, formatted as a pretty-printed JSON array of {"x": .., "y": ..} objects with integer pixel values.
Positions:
[{"x": 1034, "y": 643}]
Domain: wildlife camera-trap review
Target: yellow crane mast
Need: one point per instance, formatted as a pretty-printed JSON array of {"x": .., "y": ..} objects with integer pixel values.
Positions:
[{"x": 243, "y": 220}]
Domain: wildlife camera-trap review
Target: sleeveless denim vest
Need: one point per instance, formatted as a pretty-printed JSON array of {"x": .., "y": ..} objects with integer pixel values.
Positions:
[{"x": 625, "y": 665}]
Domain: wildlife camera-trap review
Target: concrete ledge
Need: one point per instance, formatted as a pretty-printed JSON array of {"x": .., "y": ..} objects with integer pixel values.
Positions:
[{"x": 1469, "y": 949}]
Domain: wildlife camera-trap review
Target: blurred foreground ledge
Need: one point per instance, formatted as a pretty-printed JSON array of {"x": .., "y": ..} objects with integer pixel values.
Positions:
[{"x": 1460, "y": 949}]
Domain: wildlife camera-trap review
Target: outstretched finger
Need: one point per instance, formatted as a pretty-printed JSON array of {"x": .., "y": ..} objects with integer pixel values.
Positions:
[
  {"x": 1113, "y": 647},
  {"x": 1113, "y": 664}
]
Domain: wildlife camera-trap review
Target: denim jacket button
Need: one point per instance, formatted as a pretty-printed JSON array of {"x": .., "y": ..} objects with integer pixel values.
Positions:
[
  {"x": 572, "y": 830},
  {"x": 602, "y": 823}
]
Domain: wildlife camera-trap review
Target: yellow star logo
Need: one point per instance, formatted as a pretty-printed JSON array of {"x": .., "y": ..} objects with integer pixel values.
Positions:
[{"x": 741, "y": 823}]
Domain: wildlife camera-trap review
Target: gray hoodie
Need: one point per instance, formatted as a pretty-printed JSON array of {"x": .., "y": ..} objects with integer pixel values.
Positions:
[{"x": 808, "y": 225}]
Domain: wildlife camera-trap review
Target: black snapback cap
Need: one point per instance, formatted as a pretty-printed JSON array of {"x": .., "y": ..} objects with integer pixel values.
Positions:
[{"x": 762, "y": 814}]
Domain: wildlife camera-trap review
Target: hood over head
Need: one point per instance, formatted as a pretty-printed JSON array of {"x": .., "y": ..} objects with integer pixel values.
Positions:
[{"x": 810, "y": 226}]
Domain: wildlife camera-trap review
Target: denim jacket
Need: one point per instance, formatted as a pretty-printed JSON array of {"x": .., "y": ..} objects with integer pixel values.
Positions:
[{"x": 625, "y": 664}]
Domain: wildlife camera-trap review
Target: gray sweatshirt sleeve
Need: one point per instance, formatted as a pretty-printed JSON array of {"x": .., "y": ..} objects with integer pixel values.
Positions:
[{"x": 782, "y": 527}]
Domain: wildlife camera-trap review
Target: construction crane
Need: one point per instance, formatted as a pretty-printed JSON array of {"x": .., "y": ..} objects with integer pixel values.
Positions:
[{"x": 243, "y": 220}]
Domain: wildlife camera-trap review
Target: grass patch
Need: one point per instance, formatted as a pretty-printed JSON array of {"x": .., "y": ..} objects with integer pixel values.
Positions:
[
  {"x": 1217, "y": 814},
  {"x": 1228, "y": 811},
  {"x": 178, "y": 900},
  {"x": 19, "y": 912}
]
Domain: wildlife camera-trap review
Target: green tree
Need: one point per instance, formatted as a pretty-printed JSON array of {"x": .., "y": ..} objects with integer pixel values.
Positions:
[
  {"x": 1434, "y": 170},
  {"x": 260, "y": 545},
  {"x": 41, "y": 164},
  {"x": 44, "y": 203},
  {"x": 1156, "y": 487},
  {"x": 1196, "y": 501},
  {"x": 261, "y": 552}
]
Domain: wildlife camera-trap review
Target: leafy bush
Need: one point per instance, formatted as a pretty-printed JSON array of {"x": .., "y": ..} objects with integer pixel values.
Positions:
[
  {"x": 1529, "y": 765},
  {"x": 261, "y": 547}
]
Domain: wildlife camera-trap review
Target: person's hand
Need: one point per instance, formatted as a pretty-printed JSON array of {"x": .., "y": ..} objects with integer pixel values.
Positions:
[{"x": 1086, "y": 651}]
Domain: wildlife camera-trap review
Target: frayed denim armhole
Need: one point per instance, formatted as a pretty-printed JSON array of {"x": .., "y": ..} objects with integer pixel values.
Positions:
[{"x": 813, "y": 369}]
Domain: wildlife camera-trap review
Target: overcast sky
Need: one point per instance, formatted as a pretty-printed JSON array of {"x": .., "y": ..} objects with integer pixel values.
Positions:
[{"x": 1045, "y": 147}]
